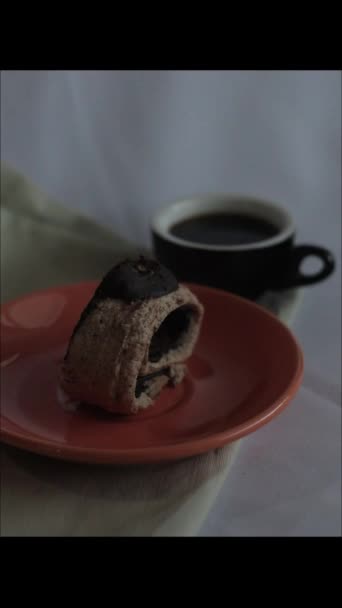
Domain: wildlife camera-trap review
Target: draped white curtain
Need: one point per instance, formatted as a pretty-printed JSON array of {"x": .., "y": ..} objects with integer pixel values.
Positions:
[{"x": 119, "y": 144}]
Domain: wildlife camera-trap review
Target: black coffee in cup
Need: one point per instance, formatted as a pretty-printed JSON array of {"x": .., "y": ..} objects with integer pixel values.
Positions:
[
  {"x": 238, "y": 243},
  {"x": 224, "y": 229}
]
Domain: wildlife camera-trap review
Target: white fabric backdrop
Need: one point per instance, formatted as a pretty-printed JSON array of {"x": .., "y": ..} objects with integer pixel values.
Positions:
[{"x": 118, "y": 145}]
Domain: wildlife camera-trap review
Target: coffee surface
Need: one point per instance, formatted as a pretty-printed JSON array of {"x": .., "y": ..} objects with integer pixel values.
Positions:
[{"x": 224, "y": 229}]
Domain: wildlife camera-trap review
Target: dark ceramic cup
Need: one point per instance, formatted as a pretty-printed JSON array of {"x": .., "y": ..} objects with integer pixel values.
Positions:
[{"x": 248, "y": 270}]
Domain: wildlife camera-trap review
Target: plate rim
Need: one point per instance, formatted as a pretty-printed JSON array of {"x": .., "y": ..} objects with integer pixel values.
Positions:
[{"x": 170, "y": 451}]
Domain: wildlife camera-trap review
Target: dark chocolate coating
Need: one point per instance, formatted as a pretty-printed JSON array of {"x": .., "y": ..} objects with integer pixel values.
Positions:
[
  {"x": 137, "y": 280},
  {"x": 130, "y": 281}
]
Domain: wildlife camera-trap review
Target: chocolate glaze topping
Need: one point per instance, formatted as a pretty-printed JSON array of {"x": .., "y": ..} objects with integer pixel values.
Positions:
[
  {"x": 137, "y": 280},
  {"x": 130, "y": 281}
]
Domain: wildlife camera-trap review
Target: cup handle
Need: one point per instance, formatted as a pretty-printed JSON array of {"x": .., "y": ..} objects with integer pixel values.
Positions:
[{"x": 296, "y": 278}]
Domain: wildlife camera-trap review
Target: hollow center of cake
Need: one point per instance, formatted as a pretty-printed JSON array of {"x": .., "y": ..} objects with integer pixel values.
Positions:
[{"x": 171, "y": 334}]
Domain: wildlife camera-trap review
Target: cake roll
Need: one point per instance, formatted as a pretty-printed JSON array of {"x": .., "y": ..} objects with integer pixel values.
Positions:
[{"x": 132, "y": 339}]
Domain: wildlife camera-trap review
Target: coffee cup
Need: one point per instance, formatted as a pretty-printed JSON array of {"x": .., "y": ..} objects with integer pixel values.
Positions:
[{"x": 237, "y": 243}]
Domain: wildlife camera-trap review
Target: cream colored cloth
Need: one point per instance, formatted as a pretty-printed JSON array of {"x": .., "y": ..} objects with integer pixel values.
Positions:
[{"x": 44, "y": 244}]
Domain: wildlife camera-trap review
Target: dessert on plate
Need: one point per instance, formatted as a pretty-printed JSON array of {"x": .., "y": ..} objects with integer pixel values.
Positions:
[{"x": 132, "y": 339}]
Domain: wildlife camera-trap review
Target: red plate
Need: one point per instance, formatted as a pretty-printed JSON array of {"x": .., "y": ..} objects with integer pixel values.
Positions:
[{"x": 246, "y": 368}]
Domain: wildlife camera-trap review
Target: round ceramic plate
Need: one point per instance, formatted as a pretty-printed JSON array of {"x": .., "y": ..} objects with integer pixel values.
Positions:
[{"x": 246, "y": 368}]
